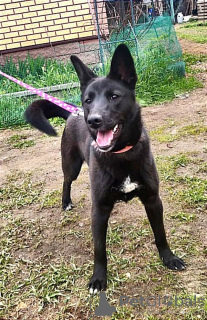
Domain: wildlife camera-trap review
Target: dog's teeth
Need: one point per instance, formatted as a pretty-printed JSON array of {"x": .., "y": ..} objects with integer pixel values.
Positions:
[{"x": 115, "y": 128}]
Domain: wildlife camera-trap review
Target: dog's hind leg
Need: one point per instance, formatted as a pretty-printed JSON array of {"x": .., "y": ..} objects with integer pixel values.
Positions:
[
  {"x": 71, "y": 171},
  {"x": 71, "y": 166}
]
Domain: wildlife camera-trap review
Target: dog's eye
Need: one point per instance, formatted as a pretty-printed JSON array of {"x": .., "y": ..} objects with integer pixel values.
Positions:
[
  {"x": 114, "y": 97},
  {"x": 88, "y": 101}
]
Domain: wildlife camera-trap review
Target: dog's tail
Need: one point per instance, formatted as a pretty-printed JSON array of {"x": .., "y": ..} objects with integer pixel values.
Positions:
[{"x": 39, "y": 111}]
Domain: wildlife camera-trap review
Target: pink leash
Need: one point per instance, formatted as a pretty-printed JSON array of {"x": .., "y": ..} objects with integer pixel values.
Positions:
[{"x": 69, "y": 107}]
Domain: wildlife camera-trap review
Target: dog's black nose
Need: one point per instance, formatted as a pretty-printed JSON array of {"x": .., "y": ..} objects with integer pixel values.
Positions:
[{"x": 95, "y": 121}]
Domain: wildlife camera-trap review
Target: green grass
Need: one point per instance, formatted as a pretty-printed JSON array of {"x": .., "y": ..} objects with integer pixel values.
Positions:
[
  {"x": 193, "y": 62},
  {"x": 157, "y": 90},
  {"x": 193, "y": 24},
  {"x": 193, "y": 59},
  {"x": 59, "y": 285},
  {"x": 192, "y": 193},
  {"x": 38, "y": 72},
  {"x": 162, "y": 133},
  {"x": 51, "y": 199},
  {"x": 188, "y": 190},
  {"x": 195, "y": 32},
  {"x": 183, "y": 216},
  {"x": 20, "y": 141},
  {"x": 19, "y": 191},
  {"x": 161, "y": 76}
]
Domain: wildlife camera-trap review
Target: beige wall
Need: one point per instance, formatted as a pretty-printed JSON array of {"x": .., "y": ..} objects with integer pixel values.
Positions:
[{"x": 37, "y": 22}]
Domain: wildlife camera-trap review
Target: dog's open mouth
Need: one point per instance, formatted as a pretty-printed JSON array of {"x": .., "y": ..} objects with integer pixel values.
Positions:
[{"x": 104, "y": 140}]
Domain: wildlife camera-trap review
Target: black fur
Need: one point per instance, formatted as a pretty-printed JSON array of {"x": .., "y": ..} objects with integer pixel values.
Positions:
[{"x": 108, "y": 103}]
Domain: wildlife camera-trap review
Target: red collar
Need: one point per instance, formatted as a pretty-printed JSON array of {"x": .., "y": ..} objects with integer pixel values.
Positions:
[{"x": 127, "y": 148}]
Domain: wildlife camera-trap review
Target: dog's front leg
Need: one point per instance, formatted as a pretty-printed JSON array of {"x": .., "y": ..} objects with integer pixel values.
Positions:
[
  {"x": 154, "y": 209},
  {"x": 100, "y": 217}
]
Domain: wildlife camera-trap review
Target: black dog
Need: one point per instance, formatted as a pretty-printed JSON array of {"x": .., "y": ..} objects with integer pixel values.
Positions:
[{"x": 112, "y": 140}]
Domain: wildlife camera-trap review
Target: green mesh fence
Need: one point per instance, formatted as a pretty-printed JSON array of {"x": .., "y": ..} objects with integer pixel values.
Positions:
[{"x": 145, "y": 26}]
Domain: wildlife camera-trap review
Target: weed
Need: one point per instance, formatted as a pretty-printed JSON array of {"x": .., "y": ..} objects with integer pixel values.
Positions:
[
  {"x": 192, "y": 130},
  {"x": 40, "y": 72},
  {"x": 51, "y": 199},
  {"x": 188, "y": 190},
  {"x": 183, "y": 216},
  {"x": 192, "y": 60},
  {"x": 123, "y": 313},
  {"x": 161, "y": 134},
  {"x": 192, "y": 193},
  {"x": 195, "y": 32},
  {"x": 19, "y": 191},
  {"x": 161, "y": 77},
  {"x": 69, "y": 217},
  {"x": 115, "y": 235},
  {"x": 19, "y": 141}
]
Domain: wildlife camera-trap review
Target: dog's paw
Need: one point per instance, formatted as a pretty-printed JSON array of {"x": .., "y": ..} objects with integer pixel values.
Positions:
[
  {"x": 97, "y": 284},
  {"x": 67, "y": 206},
  {"x": 173, "y": 263}
]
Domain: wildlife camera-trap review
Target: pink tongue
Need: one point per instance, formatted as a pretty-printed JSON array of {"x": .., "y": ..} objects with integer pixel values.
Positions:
[{"x": 104, "y": 138}]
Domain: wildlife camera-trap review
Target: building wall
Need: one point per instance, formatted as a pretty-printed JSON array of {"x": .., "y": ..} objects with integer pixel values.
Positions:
[{"x": 33, "y": 23}]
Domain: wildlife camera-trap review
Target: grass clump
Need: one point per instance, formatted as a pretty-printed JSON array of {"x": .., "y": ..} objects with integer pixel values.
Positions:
[
  {"x": 51, "y": 199},
  {"x": 193, "y": 62},
  {"x": 161, "y": 76},
  {"x": 38, "y": 72},
  {"x": 193, "y": 192},
  {"x": 20, "y": 141},
  {"x": 18, "y": 191},
  {"x": 162, "y": 133},
  {"x": 188, "y": 189},
  {"x": 192, "y": 130},
  {"x": 195, "y": 32}
]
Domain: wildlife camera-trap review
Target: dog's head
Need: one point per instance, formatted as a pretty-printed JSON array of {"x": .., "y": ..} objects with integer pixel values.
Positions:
[{"x": 110, "y": 109}]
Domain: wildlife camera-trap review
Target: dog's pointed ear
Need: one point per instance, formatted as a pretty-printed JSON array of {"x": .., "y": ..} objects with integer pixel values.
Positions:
[
  {"x": 122, "y": 67},
  {"x": 84, "y": 73}
]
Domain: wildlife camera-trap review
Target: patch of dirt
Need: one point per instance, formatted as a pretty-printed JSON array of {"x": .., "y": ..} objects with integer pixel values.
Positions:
[
  {"x": 193, "y": 47},
  {"x": 181, "y": 112}
]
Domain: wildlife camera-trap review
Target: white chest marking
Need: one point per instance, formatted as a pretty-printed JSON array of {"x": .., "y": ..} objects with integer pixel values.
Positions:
[{"x": 128, "y": 186}]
